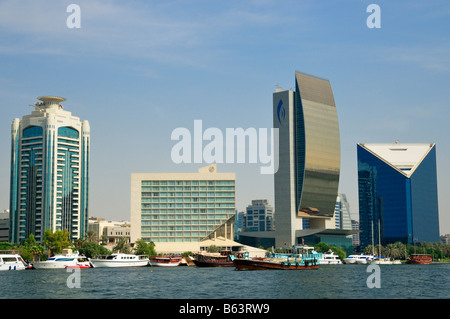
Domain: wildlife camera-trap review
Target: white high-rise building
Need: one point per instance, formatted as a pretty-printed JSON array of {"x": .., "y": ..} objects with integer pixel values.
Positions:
[
  {"x": 179, "y": 210},
  {"x": 49, "y": 172}
]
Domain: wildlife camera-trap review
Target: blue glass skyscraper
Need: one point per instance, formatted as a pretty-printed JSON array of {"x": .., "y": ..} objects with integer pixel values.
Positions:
[
  {"x": 49, "y": 172},
  {"x": 398, "y": 199}
]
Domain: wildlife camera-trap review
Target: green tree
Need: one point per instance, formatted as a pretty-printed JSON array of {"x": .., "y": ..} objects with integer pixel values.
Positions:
[
  {"x": 321, "y": 247},
  {"x": 123, "y": 246},
  {"x": 212, "y": 249},
  {"x": 91, "y": 236},
  {"x": 31, "y": 250},
  {"x": 144, "y": 248},
  {"x": 91, "y": 249},
  {"x": 56, "y": 241}
]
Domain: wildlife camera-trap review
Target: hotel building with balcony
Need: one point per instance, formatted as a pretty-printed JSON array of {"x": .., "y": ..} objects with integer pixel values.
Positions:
[{"x": 49, "y": 172}]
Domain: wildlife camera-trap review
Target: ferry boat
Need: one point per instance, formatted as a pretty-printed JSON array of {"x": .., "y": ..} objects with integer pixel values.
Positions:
[
  {"x": 421, "y": 259},
  {"x": 12, "y": 261},
  {"x": 165, "y": 261},
  {"x": 329, "y": 258},
  {"x": 297, "y": 258},
  {"x": 62, "y": 261},
  {"x": 116, "y": 260},
  {"x": 358, "y": 259},
  {"x": 222, "y": 259}
]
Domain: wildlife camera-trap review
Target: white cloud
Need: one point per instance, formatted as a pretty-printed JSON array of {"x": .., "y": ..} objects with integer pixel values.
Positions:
[{"x": 170, "y": 32}]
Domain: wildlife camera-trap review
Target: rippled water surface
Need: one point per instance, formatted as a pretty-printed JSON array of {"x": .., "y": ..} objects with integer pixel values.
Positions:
[{"x": 336, "y": 282}]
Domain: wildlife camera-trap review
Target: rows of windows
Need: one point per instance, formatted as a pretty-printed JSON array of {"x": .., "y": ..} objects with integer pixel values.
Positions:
[
  {"x": 184, "y": 211},
  {"x": 187, "y": 205},
  {"x": 172, "y": 239},
  {"x": 186, "y": 188},
  {"x": 188, "y": 219},
  {"x": 187, "y": 183},
  {"x": 187, "y": 199}
]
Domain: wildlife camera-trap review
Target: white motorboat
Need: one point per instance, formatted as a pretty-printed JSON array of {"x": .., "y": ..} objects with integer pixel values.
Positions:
[
  {"x": 381, "y": 261},
  {"x": 63, "y": 261},
  {"x": 119, "y": 260},
  {"x": 365, "y": 259},
  {"x": 329, "y": 258},
  {"x": 358, "y": 259},
  {"x": 12, "y": 261},
  {"x": 385, "y": 261}
]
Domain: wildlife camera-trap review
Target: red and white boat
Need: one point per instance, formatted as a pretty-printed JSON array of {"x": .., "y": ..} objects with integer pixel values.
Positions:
[{"x": 165, "y": 261}]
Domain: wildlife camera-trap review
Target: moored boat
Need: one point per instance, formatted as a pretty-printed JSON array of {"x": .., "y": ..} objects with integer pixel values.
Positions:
[
  {"x": 329, "y": 258},
  {"x": 298, "y": 257},
  {"x": 358, "y": 259},
  {"x": 118, "y": 260},
  {"x": 422, "y": 259},
  {"x": 222, "y": 259},
  {"x": 165, "y": 261},
  {"x": 62, "y": 261},
  {"x": 12, "y": 261}
]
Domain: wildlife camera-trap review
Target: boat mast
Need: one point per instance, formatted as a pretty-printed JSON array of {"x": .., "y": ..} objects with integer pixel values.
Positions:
[
  {"x": 373, "y": 247},
  {"x": 379, "y": 240}
]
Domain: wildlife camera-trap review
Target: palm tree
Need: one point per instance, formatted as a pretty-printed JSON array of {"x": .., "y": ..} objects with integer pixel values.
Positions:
[
  {"x": 91, "y": 236},
  {"x": 123, "y": 246}
]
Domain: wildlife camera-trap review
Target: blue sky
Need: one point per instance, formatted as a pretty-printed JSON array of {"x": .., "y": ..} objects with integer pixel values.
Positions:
[{"x": 136, "y": 70}]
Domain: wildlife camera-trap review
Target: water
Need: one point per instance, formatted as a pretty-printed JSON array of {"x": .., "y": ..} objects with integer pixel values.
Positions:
[{"x": 327, "y": 282}]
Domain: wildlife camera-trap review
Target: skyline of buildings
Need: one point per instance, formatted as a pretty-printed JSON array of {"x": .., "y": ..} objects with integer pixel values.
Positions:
[
  {"x": 49, "y": 172},
  {"x": 398, "y": 196},
  {"x": 189, "y": 207}
]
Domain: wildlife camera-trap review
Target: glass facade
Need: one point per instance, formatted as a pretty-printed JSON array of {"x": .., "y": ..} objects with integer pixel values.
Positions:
[
  {"x": 184, "y": 210},
  {"x": 259, "y": 216},
  {"x": 317, "y": 146},
  {"x": 400, "y": 205},
  {"x": 306, "y": 183}
]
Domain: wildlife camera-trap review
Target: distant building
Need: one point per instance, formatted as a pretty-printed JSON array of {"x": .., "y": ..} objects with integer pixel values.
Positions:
[
  {"x": 111, "y": 231},
  {"x": 4, "y": 225},
  {"x": 239, "y": 222},
  {"x": 445, "y": 239},
  {"x": 49, "y": 172},
  {"x": 355, "y": 237},
  {"x": 398, "y": 193},
  {"x": 259, "y": 216},
  {"x": 342, "y": 218}
]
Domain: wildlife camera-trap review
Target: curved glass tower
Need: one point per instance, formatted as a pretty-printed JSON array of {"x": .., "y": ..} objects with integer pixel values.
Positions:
[
  {"x": 306, "y": 184},
  {"x": 49, "y": 172}
]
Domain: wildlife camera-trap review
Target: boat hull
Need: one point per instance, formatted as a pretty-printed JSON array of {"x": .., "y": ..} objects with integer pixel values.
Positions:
[
  {"x": 100, "y": 263},
  {"x": 250, "y": 264},
  {"x": 200, "y": 263},
  {"x": 330, "y": 262},
  {"x": 60, "y": 265},
  {"x": 165, "y": 262}
]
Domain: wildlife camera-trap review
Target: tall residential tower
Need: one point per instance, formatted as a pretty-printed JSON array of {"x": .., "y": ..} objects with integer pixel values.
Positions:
[{"x": 49, "y": 172}]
